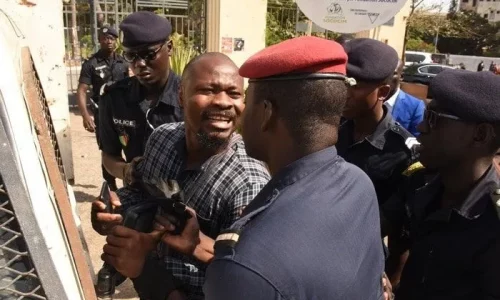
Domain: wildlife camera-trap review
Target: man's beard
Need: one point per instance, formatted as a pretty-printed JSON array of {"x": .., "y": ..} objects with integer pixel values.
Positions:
[
  {"x": 211, "y": 142},
  {"x": 215, "y": 142}
]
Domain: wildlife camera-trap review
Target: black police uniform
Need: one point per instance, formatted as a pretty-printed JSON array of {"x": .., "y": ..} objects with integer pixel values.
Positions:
[
  {"x": 384, "y": 155},
  {"x": 454, "y": 252},
  {"x": 388, "y": 151},
  {"x": 123, "y": 112},
  {"x": 98, "y": 70}
]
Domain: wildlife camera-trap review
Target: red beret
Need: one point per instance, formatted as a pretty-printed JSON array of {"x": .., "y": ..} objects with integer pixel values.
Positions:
[{"x": 302, "y": 55}]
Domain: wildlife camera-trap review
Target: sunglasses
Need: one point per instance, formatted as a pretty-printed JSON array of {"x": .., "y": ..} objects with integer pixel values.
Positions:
[
  {"x": 146, "y": 55},
  {"x": 431, "y": 117}
]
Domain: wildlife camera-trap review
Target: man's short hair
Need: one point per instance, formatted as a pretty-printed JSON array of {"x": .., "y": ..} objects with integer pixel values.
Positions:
[{"x": 306, "y": 105}]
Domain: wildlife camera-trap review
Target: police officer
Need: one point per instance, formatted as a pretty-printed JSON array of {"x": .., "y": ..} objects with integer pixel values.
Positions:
[
  {"x": 368, "y": 136},
  {"x": 133, "y": 107},
  {"x": 313, "y": 230},
  {"x": 453, "y": 218},
  {"x": 103, "y": 67}
]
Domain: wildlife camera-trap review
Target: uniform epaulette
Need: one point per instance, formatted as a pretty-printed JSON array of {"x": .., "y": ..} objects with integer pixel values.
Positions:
[
  {"x": 409, "y": 139},
  {"x": 227, "y": 239},
  {"x": 413, "y": 168},
  {"x": 495, "y": 197}
]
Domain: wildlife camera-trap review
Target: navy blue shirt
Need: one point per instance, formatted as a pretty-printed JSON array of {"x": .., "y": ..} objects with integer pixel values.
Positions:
[{"x": 313, "y": 232}]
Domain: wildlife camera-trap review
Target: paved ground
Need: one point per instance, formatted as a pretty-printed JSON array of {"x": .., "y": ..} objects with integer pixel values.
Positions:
[{"x": 88, "y": 180}]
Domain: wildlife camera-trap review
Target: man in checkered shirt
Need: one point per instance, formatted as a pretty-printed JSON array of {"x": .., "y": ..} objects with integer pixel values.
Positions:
[{"x": 209, "y": 161}]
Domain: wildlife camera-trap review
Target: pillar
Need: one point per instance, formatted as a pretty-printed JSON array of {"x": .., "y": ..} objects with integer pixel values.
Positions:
[{"x": 236, "y": 28}]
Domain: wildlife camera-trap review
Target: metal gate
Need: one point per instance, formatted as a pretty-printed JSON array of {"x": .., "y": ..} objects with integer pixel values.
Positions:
[{"x": 83, "y": 18}]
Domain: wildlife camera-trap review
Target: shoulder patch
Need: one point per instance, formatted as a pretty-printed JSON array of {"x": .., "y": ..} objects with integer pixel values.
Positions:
[
  {"x": 229, "y": 236},
  {"x": 413, "y": 168},
  {"x": 226, "y": 241},
  {"x": 411, "y": 142}
]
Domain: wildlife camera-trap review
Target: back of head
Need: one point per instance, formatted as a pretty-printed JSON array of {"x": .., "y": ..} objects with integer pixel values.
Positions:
[
  {"x": 370, "y": 60},
  {"x": 304, "y": 78}
]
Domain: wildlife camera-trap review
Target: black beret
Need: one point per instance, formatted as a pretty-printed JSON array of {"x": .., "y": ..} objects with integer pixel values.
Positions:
[
  {"x": 471, "y": 96},
  {"x": 106, "y": 29},
  {"x": 370, "y": 60},
  {"x": 144, "y": 28}
]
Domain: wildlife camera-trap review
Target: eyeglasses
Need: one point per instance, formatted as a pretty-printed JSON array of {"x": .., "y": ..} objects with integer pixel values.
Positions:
[
  {"x": 146, "y": 55},
  {"x": 431, "y": 117}
]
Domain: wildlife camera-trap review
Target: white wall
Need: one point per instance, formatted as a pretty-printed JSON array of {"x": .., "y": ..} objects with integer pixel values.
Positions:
[
  {"x": 228, "y": 20},
  {"x": 42, "y": 26},
  {"x": 244, "y": 19}
]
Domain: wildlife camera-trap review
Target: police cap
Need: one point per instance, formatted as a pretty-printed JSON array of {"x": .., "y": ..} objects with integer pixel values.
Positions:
[
  {"x": 106, "y": 29},
  {"x": 144, "y": 28},
  {"x": 370, "y": 60},
  {"x": 299, "y": 58},
  {"x": 471, "y": 96}
]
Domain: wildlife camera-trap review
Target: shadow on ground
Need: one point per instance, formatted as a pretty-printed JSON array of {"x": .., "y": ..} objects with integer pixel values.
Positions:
[{"x": 84, "y": 197}]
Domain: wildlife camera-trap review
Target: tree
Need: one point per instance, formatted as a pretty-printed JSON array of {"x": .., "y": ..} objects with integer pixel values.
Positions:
[{"x": 465, "y": 32}]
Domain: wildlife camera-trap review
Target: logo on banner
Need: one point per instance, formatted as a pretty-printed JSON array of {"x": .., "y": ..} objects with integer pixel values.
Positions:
[
  {"x": 334, "y": 14},
  {"x": 334, "y": 9}
]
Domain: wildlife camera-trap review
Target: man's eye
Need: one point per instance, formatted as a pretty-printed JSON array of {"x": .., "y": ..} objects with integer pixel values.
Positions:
[{"x": 207, "y": 90}]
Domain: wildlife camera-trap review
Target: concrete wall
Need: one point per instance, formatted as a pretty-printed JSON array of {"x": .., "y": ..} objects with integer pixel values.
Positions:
[
  {"x": 471, "y": 62},
  {"x": 229, "y": 21},
  {"x": 41, "y": 24},
  {"x": 392, "y": 35}
]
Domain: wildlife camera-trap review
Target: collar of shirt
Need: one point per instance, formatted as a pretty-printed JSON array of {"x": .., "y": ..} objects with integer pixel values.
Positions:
[
  {"x": 392, "y": 101},
  {"x": 291, "y": 174},
  {"x": 170, "y": 94},
  {"x": 377, "y": 138},
  {"x": 181, "y": 151},
  {"x": 428, "y": 197}
]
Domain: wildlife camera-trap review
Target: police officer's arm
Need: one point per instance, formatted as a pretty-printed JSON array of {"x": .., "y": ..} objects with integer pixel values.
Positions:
[
  {"x": 228, "y": 280},
  {"x": 84, "y": 82},
  {"x": 109, "y": 140}
]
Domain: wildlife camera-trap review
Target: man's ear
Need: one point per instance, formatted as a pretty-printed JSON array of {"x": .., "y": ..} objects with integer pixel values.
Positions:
[
  {"x": 484, "y": 134},
  {"x": 170, "y": 47},
  {"x": 269, "y": 115},
  {"x": 383, "y": 92}
]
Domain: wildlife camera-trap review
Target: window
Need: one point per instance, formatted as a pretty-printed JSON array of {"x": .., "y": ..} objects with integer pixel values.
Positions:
[
  {"x": 435, "y": 69},
  {"x": 414, "y": 58},
  {"x": 423, "y": 69},
  {"x": 485, "y": 16}
]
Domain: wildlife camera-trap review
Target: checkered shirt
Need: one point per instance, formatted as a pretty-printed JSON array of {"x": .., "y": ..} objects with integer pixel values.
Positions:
[{"x": 218, "y": 190}]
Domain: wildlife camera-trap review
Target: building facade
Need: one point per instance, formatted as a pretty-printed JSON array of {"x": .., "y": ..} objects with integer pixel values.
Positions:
[{"x": 488, "y": 9}]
